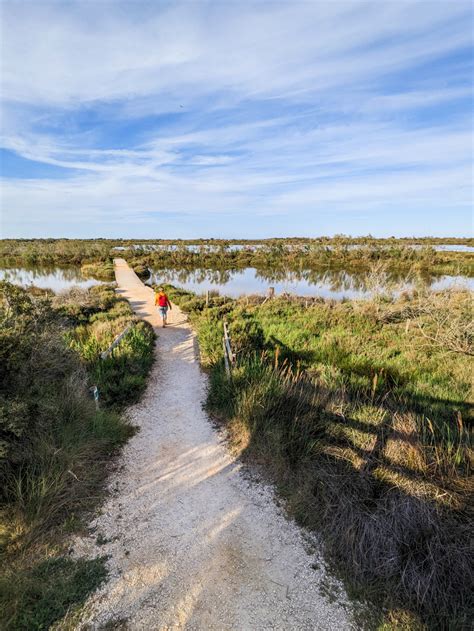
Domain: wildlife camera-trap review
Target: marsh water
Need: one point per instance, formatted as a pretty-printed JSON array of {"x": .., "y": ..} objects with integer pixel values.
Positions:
[
  {"x": 336, "y": 284},
  {"x": 55, "y": 278}
]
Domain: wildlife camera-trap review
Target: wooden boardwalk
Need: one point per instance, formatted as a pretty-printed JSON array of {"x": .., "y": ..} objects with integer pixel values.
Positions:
[{"x": 142, "y": 298}]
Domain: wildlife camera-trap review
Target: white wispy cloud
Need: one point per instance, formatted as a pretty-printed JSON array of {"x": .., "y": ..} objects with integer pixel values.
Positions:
[
  {"x": 228, "y": 108},
  {"x": 95, "y": 51}
]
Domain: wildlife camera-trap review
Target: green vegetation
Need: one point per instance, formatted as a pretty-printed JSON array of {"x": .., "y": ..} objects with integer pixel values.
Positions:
[
  {"x": 54, "y": 251},
  {"x": 100, "y": 270},
  {"x": 360, "y": 412},
  {"x": 54, "y": 443},
  {"x": 121, "y": 376},
  {"x": 398, "y": 258},
  {"x": 353, "y": 254},
  {"x": 53, "y": 587}
]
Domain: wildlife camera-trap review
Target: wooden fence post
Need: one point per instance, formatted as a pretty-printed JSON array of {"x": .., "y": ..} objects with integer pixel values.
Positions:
[
  {"x": 226, "y": 359},
  {"x": 228, "y": 354},
  {"x": 270, "y": 294},
  {"x": 95, "y": 394}
]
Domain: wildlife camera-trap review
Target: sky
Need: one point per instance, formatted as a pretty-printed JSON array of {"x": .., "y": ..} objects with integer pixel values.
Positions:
[{"x": 235, "y": 119}]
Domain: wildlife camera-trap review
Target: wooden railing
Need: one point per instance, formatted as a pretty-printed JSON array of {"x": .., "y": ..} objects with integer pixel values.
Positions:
[{"x": 116, "y": 341}]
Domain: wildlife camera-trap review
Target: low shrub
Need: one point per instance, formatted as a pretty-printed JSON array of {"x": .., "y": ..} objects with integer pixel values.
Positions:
[
  {"x": 54, "y": 443},
  {"x": 102, "y": 270}
]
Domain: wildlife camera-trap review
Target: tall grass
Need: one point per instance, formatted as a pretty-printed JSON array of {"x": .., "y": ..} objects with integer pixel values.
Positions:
[
  {"x": 54, "y": 443},
  {"x": 283, "y": 257},
  {"x": 360, "y": 412},
  {"x": 269, "y": 254},
  {"x": 121, "y": 376},
  {"x": 102, "y": 270}
]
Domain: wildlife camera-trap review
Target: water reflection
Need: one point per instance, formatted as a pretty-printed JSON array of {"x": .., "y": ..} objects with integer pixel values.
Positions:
[
  {"x": 454, "y": 248},
  {"x": 335, "y": 284},
  {"x": 332, "y": 283},
  {"x": 55, "y": 278}
]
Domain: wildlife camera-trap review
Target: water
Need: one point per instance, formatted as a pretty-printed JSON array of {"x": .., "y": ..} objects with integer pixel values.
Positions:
[
  {"x": 57, "y": 279},
  {"x": 454, "y": 248},
  {"x": 335, "y": 284},
  {"x": 327, "y": 284}
]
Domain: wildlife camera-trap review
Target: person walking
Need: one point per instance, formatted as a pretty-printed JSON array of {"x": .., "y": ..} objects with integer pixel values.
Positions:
[{"x": 163, "y": 304}]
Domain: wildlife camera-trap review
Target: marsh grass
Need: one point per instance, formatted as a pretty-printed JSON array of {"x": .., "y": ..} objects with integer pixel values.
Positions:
[
  {"x": 46, "y": 591},
  {"x": 280, "y": 256},
  {"x": 360, "y": 412},
  {"x": 55, "y": 444},
  {"x": 340, "y": 252},
  {"x": 121, "y": 377},
  {"x": 102, "y": 270}
]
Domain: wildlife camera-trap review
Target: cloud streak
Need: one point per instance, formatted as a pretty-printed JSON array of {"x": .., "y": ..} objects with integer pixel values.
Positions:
[{"x": 216, "y": 113}]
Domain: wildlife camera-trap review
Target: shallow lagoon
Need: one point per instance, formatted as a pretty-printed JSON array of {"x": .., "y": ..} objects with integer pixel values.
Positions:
[
  {"x": 327, "y": 284},
  {"x": 336, "y": 284},
  {"x": 56, "y": 278}
]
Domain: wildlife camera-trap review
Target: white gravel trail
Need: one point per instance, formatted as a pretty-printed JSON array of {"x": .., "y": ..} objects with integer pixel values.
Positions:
[{"x": 194, "y": 544}]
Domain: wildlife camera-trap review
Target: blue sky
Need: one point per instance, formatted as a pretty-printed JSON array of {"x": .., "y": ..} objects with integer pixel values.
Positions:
[{"x": 236, "y": 119}]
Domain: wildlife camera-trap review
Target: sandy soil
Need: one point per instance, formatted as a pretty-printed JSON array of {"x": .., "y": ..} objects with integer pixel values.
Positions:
[{"x": 193, "y": 543}]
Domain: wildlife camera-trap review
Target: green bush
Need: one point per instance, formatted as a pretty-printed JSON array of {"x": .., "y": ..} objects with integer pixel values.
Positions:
[
  {"x": 103, "y": 270},
  {"x": 46, "y": 413},
  {"x": 53, "y": 441}
]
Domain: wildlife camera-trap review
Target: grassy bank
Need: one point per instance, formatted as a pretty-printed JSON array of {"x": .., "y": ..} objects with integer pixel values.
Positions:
[
  {"x": 54, "y": 443},
  {"x": 360, "y": 412},
  {"x": 102, "y": 270}
]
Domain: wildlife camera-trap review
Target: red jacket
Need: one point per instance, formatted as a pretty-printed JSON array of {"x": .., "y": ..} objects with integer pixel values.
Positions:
[{"x": 162, "y": 300}]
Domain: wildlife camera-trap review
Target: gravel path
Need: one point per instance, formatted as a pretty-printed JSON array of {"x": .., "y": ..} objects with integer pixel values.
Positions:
[{"x": 193, "y": 543}]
